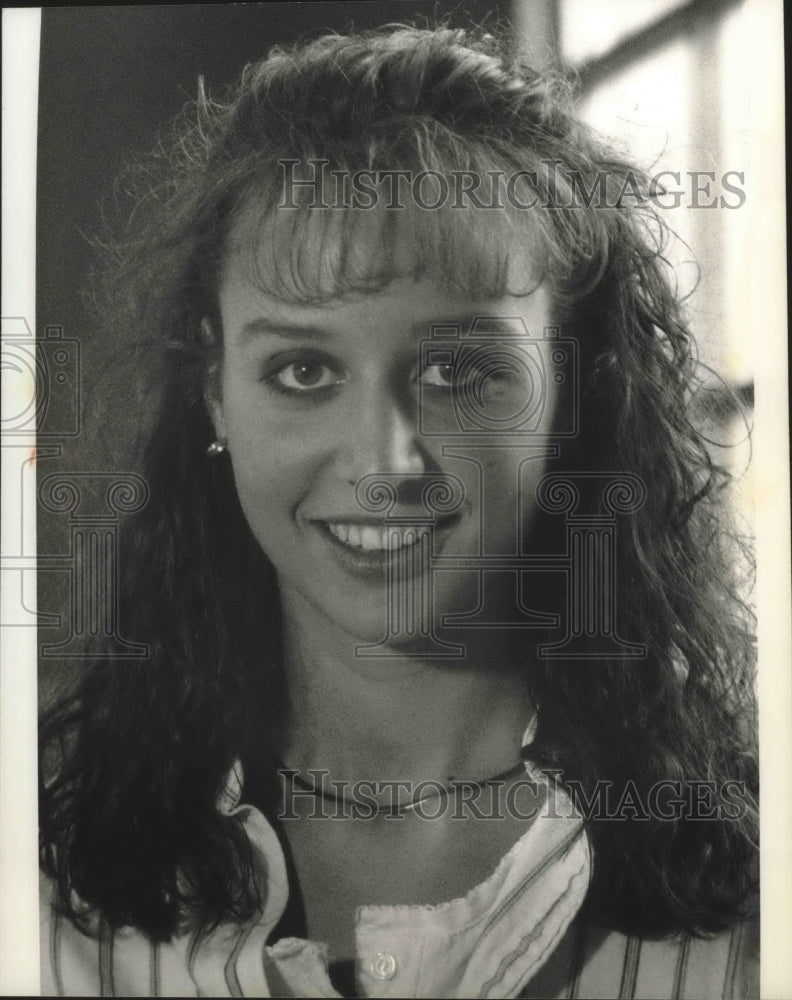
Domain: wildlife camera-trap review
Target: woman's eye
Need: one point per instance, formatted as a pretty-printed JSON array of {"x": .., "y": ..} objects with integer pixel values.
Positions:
[
  {"x": 477, "y": 371},
  {"x": 305, "y": 376},
  {"x": 440, "y": 376}
]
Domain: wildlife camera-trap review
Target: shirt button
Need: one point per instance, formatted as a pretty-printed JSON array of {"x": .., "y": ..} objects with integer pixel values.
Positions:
[{"x": 383, "y": 965}]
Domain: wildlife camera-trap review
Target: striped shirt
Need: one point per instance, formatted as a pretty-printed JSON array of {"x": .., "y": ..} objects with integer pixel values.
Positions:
[{"x": 514, "y": 935}]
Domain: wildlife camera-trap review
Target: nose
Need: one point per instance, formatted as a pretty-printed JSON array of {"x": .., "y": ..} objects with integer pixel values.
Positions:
[{"x": 380, "y": 435}]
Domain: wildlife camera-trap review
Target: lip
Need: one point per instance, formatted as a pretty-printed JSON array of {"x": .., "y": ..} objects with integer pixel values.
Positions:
[{"x": 407, "y": 561}]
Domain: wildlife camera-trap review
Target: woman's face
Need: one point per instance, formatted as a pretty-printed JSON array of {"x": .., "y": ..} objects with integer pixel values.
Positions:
[{"x": 312, "y": 398}]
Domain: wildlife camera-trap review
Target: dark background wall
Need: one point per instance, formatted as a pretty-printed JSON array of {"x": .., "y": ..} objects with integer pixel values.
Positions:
[
  {"x": 111, "y": 77},
  {"x": 110, "y": 80}
]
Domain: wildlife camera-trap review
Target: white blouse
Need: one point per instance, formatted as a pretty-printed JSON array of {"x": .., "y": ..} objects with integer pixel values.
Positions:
[{"x": 512, "y": 935}]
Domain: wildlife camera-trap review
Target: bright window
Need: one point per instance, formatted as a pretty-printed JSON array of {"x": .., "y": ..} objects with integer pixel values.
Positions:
[{"x": 669, "y": 84}]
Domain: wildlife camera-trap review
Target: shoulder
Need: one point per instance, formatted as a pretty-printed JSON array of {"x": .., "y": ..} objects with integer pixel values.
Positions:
[
  {"x": 69, "y": 958},
  {"x": 100, "y": 961},
  {"x": 590, "y": 961}
]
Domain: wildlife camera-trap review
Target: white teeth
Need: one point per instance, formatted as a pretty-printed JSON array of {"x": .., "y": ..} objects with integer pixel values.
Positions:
[
  {"x": 371, "y": 539},
  {"x": 341, "y": 531}
]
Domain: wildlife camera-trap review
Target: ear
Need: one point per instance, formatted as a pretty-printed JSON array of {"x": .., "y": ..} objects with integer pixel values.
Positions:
[{"x": 212, "y": 394}]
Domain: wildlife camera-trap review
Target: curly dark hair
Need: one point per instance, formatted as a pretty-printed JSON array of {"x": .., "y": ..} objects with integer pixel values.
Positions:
[{"x": 137, "y": 755}]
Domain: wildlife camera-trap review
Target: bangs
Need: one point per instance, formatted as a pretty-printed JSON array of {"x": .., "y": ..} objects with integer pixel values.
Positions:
[{"x": 316, "y": 230}]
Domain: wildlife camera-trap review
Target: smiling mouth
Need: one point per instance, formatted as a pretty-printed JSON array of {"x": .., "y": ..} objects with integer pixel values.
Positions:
[
  {"x": 367, "y": 547},
  {"x": 368, "y": 538}
]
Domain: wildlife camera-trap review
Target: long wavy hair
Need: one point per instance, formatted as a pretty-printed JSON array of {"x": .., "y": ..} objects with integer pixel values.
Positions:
[{"x": 134, "y": 760}]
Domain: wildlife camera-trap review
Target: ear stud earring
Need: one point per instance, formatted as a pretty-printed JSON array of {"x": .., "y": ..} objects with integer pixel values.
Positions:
[{"x": 216, "y": 448}]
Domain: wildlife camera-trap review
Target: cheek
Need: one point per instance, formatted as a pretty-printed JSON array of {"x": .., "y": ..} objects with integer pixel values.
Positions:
[
  {"x": 273, "y": 472},
  {"x": 512, "y": 469},
  {"x": 510, "y": 485}
]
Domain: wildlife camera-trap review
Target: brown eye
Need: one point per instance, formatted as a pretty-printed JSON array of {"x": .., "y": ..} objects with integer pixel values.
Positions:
[
  {"x": 303, "y": 376},
  {"x": 438, "y": 375}
]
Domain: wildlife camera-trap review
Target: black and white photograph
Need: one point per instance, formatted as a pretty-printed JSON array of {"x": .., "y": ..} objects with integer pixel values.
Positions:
[{"x": 396, "y": 586}]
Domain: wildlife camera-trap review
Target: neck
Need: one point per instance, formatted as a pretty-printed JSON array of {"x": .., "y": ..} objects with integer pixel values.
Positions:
[{"x": 400, "y": 718}]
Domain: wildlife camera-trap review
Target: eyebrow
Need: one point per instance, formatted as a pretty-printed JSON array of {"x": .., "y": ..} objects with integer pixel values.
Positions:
[
  {"x": 492, "y": 325},
  {"x": 487, "y": 325},
  {"x": 278, "y": 328}
]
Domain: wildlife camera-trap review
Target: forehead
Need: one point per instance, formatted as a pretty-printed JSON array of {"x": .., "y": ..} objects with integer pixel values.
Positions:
[
  {"x": 305, "y": 255},
  {"x": 405, "y": 311}
]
